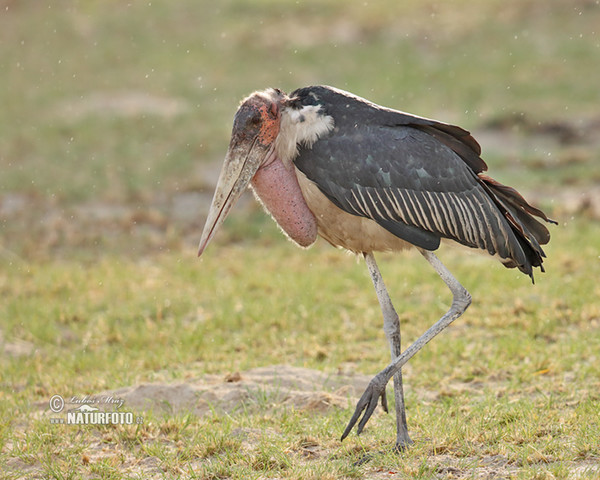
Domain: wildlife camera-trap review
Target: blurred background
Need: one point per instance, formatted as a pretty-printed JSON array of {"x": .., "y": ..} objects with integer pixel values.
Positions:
[{"x": 115, "y": 116}]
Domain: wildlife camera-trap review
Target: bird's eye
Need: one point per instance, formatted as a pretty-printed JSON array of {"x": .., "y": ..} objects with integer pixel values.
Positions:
[{"x": 256, "y": 119}]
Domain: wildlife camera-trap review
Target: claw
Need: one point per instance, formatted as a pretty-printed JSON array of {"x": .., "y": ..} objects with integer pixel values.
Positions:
[{"x": 367, "y": 403}]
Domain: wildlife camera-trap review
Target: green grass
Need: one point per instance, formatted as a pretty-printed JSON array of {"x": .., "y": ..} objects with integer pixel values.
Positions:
[
  {"x": 513, "y": 379},
  {"x": 111, "y": 112}
]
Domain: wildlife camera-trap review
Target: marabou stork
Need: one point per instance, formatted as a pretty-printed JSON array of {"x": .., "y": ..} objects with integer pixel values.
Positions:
[{"x": 368, "y": 178}]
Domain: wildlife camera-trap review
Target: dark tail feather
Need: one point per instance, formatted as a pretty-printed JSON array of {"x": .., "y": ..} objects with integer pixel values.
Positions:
[{"x": 530, "y": 233}]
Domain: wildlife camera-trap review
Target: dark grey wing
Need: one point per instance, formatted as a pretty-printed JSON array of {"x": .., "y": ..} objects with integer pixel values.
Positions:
[
  {"x": 410, "y": 183},
  {"x": 419, "y": 178}
]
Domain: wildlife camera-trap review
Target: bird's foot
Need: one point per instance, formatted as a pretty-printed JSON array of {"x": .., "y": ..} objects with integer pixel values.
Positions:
[
  {"x": 397, "y": 448},
  {"x": 403, "y": 445},
  {"x": 367, "y": 403}
]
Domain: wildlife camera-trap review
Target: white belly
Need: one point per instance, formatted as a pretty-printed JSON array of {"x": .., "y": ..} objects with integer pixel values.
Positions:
[{"x": 341, "y": 229}]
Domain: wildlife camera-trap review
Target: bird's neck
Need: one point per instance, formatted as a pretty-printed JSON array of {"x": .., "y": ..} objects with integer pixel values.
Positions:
[{"x": 300, "y": 127}]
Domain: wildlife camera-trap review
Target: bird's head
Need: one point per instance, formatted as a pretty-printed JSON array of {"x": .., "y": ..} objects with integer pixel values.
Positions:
[{"x": 255, "y": 129}]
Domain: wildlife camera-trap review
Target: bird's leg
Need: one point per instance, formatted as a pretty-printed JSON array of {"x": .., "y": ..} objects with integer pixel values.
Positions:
[
  {"x": 391, "y": 327},
  {"x": 461, "y": 299}
]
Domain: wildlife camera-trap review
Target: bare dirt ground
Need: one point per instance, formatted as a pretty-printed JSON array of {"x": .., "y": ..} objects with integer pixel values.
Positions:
[{"x": 302, "y": 388}]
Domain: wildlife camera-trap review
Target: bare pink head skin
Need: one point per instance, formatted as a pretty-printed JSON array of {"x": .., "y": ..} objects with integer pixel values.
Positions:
[{"x": 252, "y": 159}]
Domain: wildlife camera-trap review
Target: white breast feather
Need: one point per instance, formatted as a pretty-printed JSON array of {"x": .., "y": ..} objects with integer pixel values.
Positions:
[{"x": 300, "y": 127}]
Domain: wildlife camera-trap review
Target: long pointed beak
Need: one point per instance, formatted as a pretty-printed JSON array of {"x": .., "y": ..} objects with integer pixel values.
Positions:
[{"x": 242, "y": 161}]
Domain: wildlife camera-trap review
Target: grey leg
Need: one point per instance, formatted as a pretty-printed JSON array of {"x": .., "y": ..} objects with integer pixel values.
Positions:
[
  {"x": 461, "y": 299},
  {"x": 391, "y": 327}
]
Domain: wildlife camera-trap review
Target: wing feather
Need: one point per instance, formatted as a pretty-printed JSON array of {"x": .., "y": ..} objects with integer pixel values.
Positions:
[{"x": 437, "y": 220}]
